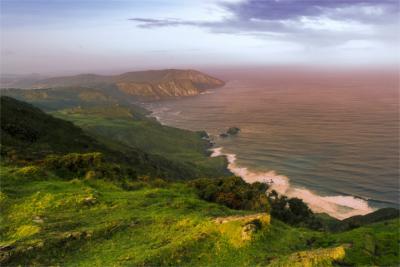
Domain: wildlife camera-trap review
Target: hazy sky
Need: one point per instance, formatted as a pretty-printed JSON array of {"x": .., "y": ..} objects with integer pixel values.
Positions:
[{"x": 53, "y": 36}]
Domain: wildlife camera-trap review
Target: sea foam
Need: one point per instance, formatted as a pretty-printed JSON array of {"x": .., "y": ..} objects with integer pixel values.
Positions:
[
  {"x": 157, "y": 112},
  {"x": 340, "y": 207}
]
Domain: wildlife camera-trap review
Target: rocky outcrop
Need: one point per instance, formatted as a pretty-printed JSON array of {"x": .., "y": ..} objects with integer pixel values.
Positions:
[
  {"x": 264, "y": 219},
  {"x": 310, "y": 258},
  {"x": 230, "y": 132},
  {"x": 160, "y": 84},
  {"x": 233, "y": 130},
  {"x": 240, "y": 229}
]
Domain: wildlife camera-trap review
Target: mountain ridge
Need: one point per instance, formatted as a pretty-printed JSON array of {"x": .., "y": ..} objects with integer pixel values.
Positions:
[{"x": 141, "y": 85}]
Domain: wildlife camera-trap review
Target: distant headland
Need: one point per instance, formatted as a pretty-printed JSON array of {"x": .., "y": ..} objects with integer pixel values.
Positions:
[{"x": 141, "y": 85}]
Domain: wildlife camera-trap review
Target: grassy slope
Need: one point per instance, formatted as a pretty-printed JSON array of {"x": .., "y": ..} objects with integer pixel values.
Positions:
[
  {"x": 117, "y": 123},
  {"x": 49, "y": 221},
  {"x": 27, "y": 133},
  {"x": 174, "y": 144},
  {"x": 30, "y": 131}
]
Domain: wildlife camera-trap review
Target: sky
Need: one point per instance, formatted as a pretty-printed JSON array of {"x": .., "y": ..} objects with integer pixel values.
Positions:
[{"x": 71, "y": 36}]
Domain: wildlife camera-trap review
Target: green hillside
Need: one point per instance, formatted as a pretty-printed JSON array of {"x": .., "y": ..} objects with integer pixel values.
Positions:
[
  {"x": 89, "y": 222},
  {"x": 147, "y": 134},
  {"x": 121, "y": 193},
  {"x": 29, "y": 134},
  {"x": 123, "y": 126}
]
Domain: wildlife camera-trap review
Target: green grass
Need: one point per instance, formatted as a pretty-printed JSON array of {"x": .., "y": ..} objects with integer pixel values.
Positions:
[
  {"x": 87, "y": 222},
  {"x": 82, "y": 219},
  {"x": 370, "y": 245},
  {"x": 316, "y": 257},
  {"x": 118, "y": 127},
  {"x": 113, "y": 120},
  {"x": 28, "y": 134},
  {"x": 150, "y": 136}
]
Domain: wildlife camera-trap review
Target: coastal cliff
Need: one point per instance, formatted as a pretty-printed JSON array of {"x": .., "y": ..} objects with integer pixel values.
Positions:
[{"x": 142, "y": 85}]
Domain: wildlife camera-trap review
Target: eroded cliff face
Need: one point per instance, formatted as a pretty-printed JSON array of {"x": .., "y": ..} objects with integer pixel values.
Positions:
[
  {"x": 144, "y": 85},
  {"x": 171, "y": 83},
  {"x": 161, "y": 90}
]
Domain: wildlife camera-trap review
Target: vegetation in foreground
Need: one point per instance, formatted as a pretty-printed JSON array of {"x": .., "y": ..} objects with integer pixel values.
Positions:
[
  {"x": 49, "y": 220},
  {"x": 77, "y": 201}
]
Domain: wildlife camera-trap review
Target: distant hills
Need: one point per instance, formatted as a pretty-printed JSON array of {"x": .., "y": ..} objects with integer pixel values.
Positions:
[
  {"x": 141, "y": 85},
  {"x": 19, "y": 80},
  {"x": 62, "y": 97}
]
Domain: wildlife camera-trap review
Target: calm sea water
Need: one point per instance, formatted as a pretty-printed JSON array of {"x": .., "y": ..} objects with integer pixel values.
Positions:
[{"x": 329, "y": 138}]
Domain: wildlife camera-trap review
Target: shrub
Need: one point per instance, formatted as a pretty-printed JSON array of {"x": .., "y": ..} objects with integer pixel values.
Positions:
[
  {"x": 292, "y": 211},
  {"x": 158, "y": 182},
  {"x": 90, "y": 175},
  {"x": 74, "y": 162},
  {"x": 233, "y": 192},
  {"x": 88, "y": 165}
]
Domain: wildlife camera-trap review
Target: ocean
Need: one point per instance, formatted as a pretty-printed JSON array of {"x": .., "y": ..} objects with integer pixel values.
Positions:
[{"x": 328, "y": 137}]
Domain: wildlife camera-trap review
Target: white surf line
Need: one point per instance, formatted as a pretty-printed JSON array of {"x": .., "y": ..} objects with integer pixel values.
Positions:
[
  {"x": 340, "y": 207},
  {"x": 156, "y": 112}
]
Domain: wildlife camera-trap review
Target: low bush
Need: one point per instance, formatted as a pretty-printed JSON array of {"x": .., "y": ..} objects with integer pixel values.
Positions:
[
  {"x": 292, "y": 211},
  {"x": 74, "y": 162},
  {"x": 88, "y": 166},
  {"x": 233, "y": 192}
]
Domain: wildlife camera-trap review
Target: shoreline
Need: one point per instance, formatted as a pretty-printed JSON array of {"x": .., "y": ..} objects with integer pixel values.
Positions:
[{"x": 337, "y": 206}]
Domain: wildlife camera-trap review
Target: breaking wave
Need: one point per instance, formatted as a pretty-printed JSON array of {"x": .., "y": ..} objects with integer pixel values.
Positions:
[
  {"x": 340, "y": 207},
  {"x": 206, "y": 92},
  {"x": 157, "y": 112}
]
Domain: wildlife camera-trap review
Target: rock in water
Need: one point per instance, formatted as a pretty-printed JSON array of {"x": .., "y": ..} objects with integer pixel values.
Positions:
[
  {"x": 230, "y": 131},
  {"x": 233, "y": 131}
]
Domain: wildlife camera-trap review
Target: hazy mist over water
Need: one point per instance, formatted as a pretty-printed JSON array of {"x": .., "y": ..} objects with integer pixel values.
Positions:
[{"x": 334, "y": 135}]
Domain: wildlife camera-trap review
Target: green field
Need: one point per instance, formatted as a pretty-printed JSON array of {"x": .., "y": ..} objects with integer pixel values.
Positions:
[{"x": 89, "y": 222}]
